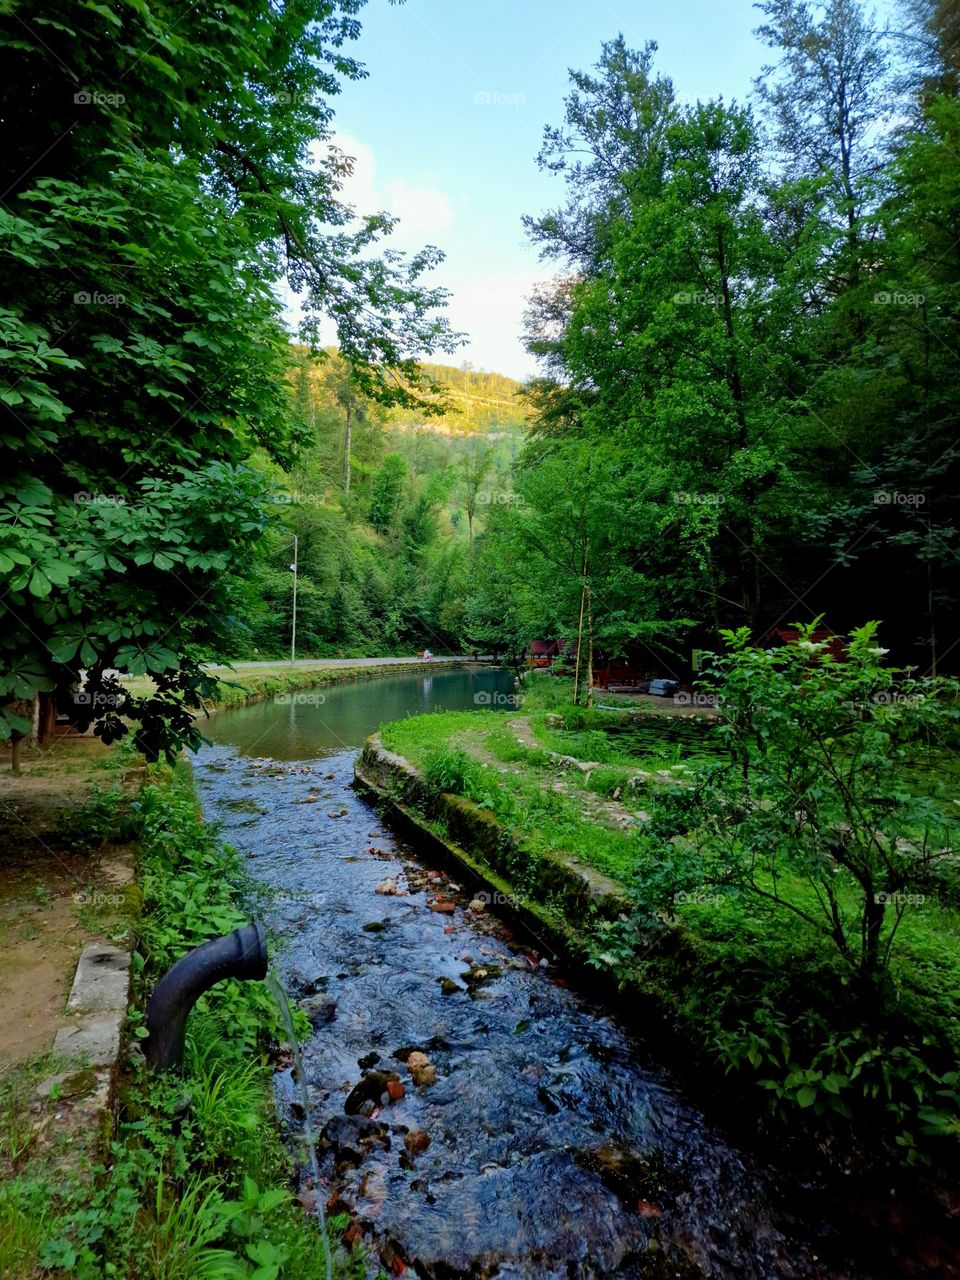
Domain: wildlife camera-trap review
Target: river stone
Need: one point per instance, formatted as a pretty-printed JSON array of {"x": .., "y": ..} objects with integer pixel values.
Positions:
[
  {"x": 352, "y": 1138},
  {"x": 416, "y": 1141},
  {"x": 319, "y": 1009},
  {"x": 372, "y": 1087}
]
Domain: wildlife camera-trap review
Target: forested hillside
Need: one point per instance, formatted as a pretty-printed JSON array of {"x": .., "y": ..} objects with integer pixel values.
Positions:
[{"x": 384, "y": 502}]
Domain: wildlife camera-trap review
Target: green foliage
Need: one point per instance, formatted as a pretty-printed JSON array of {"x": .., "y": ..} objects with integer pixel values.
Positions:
[
  {"x": 830, "y": 781},
  {"x": 148, "y": 222},
  {"x": 749, "y": 381}
]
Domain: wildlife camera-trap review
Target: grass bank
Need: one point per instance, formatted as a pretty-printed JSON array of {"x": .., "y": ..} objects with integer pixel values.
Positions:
[
  {"x": 759, "y": 1008},
  {"x": 193, "y": 1181}
]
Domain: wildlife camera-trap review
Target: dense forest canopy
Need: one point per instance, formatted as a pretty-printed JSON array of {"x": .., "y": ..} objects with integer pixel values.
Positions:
[{"x": 746, "y": 406}]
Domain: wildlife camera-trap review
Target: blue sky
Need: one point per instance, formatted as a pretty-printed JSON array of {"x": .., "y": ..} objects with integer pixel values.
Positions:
[{"x": 446, "y": 127}]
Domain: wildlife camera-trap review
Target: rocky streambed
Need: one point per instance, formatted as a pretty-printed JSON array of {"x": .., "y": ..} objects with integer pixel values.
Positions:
[{"x": 477, "y": 1117}]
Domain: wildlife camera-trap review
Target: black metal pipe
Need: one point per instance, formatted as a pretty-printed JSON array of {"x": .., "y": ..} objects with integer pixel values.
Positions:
[{"x": 241, "y": 954}]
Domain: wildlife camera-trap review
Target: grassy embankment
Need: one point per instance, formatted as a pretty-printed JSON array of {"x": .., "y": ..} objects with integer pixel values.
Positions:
[
  {"x": 751, "y": 993},
  {"x": 194, "y": 1181}
]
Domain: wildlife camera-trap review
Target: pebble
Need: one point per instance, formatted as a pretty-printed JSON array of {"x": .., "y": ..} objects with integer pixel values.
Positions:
[
  {"x": 416, "y": 1141},
  {"x": 390, "y": 888},
  {"x": 319, "y": 1009}
]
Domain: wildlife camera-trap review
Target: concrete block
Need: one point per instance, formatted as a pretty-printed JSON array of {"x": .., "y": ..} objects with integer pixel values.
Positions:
[{"x": 102, "y": 981}]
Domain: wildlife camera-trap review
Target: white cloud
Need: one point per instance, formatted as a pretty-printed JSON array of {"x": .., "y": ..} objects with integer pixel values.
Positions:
[
  {"x": 426, "y": 213},
  {"x": 490, "y": 311},
  {"x": 488, "y": 308}
]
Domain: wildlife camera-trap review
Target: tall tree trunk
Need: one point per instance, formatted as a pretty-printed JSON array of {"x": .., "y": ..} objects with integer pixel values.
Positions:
[
  {"x": 589, "y": 650},
  {"x": 576, "y": 669},
  {"x": 347, "y": 433}
]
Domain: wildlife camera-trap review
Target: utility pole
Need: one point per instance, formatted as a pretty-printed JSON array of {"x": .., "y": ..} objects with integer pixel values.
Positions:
[{"x": 293, "y": 632}]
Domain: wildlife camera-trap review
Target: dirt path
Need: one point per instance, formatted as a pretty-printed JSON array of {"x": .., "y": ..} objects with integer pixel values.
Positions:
[{"x": 56, "y": 895}]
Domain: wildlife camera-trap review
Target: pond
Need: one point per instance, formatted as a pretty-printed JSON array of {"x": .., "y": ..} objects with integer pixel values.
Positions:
[{"x": 534, "y": 1139}]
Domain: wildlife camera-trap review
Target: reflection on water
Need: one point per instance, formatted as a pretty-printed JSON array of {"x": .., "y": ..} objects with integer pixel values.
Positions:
[{"x": 330, "y": 718}]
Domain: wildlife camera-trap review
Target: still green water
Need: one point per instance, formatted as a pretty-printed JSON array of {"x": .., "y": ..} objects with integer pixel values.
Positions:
[{"x": 336, "y": 717}]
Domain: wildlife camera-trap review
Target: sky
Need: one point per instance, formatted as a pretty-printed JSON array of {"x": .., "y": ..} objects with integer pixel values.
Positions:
[{"x": 446, "y": 127}]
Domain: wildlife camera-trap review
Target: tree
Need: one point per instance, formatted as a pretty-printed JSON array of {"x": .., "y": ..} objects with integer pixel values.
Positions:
[
  {"x": 387, "y": 492},
  {"x": 475, "y": 468},
  {"x": 149, "y": 210},
  {"x": 825, "y": 787},
  {"x": 828, "y": 101}
]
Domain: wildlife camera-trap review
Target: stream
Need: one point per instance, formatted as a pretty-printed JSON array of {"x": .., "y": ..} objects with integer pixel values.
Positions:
[{"x": 541, "y": 1140}]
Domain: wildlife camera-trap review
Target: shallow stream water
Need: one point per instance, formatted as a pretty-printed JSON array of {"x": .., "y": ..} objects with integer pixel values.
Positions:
[{"x": 548, "y": 1145}]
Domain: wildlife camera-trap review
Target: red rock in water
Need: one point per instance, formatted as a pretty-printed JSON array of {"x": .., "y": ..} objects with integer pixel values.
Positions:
[
  {"x": 416, "y": 1141},
  {"x": 438, "y": 904},
  {"x": 450, "y": 928},
  {"x": 396, "y": 1090},
  {"x": 647, "y": 1209}
]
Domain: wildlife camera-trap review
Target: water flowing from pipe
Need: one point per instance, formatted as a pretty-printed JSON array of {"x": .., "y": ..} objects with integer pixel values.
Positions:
[{"x": 275, "y": 987}]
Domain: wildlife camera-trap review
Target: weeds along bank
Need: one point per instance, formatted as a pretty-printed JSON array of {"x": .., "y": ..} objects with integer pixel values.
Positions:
[
  {"x": 194, "y": 1180},
  {"x": 731, "y": 919}
]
